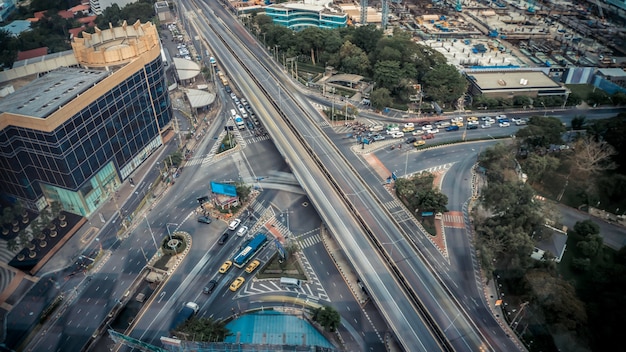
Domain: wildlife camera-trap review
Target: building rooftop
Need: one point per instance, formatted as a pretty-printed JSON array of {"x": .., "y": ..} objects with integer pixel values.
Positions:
[
  {"x": 16, "y": 27},
  {"x": 46, "y": 94},
  {"x": 513, "y": 79},
  {"x": 612, "y": 72}
]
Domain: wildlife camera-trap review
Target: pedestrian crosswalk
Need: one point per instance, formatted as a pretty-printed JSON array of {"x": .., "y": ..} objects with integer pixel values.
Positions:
[
  {"x": 453, "y": 219},
  {"x": 308, "y": 241},
  {"x": 255, "y": 139},
  {"x": 393, "y": 204},
  {"x": 432, "y": 170}
]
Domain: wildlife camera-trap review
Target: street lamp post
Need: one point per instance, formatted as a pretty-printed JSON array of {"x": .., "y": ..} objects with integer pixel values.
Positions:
[
  {"x": 151, "y": 233},
  {"x": 545, "y": 110},
  {"x": 167, "y": 226}
]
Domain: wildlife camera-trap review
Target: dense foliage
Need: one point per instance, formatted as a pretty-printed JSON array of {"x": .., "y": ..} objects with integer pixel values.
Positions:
[
  {"x": 395, "y": 63},
  {"x": 418, "y": 194}
]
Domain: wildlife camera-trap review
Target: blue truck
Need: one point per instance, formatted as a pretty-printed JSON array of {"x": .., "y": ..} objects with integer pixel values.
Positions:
[{"x": 189, "y": 310}]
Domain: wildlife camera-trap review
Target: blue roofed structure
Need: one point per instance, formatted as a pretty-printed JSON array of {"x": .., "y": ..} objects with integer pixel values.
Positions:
[{"x": 223, "y": 188}]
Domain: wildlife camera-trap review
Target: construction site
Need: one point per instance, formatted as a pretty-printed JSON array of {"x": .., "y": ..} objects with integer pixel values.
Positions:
[{"x": 520, "y": 33}]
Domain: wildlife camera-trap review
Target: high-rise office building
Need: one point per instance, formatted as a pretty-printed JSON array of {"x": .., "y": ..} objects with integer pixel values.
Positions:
[{"x": 73, "y": 134}]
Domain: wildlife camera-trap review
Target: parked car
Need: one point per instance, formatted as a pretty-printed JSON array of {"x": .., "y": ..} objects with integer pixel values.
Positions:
[
  {"x": 443, "y": 124},
  {"x": 408, "y": 129},
  {"x": 428, "y": 136},
  {"x": 427, "y": 127},
  {"x": 504, "y": 124},
  {"x": 433, "y": 130},
  {"x": 209, "y": 287},
  {"x": 472, "y": 127},
  {"x": 470, "y": 123},
  {"x": 486, "y": 118},
  {"x": 419, "y": 143},
  {"x": 233, "y": 224},
  {"x": 224, "y": 268},
  {"x": 397, "y": 134},
  {"x": 409, "y": 124},
  {"x": 204, "y": 219},
  {"x": 520, "y": 122},
  {"x": 452, "y": 128},
  {"x": 472, "y": 118},
  {"x": 417, "y": 132},
  {"x": 242, "y": 231},
  {"x": 486, "y": 125},
  {"x": 410, "y": 140}
]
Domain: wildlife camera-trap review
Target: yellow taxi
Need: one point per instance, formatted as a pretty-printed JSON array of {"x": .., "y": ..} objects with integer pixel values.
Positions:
[
  {"x": 236, "y": 284},
  {"x": 419, "y": 143},
  {"x": 253, "y": 265},
  {"x": 472, "y": 118},
  {"x": 224, "y": 268},
  {"x": 460, "y": 124},
  {"x": 408, "y": 129}
]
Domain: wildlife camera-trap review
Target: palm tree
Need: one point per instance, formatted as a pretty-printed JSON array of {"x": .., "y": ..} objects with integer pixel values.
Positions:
[{"x": 7, "y": 215}]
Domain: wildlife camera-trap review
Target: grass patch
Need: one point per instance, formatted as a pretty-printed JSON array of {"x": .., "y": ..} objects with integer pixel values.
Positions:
[
  {"x": 429, "y": 224},
  {"x": 582, "y": 90},
  {"x": 290, "y": 268}
]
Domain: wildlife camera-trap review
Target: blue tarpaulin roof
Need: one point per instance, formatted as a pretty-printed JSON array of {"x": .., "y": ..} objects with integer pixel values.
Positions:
[{"x": 222, "y": 188}]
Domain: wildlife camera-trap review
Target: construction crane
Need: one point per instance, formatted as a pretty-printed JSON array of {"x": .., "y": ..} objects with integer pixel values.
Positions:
[
  {"x": 385, "y": 14},
  {"x": 363, "y": 12}
]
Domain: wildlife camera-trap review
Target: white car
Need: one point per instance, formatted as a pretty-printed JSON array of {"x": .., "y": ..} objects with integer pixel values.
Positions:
[
  {"x": 501, "y": 117},
  {"x": 409, "y": 124},
  {"x": 504, "y": 124},
  {"x": 433, "y": 130},
  {"x": 486, "y": 118},
  {"x": 486, "y": 125},
  {"x": 242, "y": 231},
  {"x": 520, "y": 122},
  {"x": 417, "y": 132},
  {"x": 397, "y": 134},
  {"x": 456, "y": 119},
  {"x": 469, "y": 123},
  {"x": 427, "y": 127},
  {"x": 233, "y": 224}
]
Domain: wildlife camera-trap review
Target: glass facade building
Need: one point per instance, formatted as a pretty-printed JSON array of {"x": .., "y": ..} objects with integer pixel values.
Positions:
[
  {"x": 301, "y": 16},
  {"x": 74, "y": 134}
]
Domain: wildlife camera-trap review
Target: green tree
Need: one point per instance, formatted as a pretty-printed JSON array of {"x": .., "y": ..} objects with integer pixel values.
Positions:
[
  {"x": 536, "y": 166},
  {"x": 618, "y": 98},
  {"x": 579, "y": 122},
  {"x": 522, "y": 100},
  {"x": 558, "y": 300},
  {"x": 444, "y": 84},
  {"x": 353, "y": 59},
  {"x": 542, "y": 131},
  {"x": 381, "y": 98},
  {"x": 598, "y": 97},
  {"x": 585, "y": 228},
  {"x": 9, "y": 45},
  {"x": 7, "y": 216},
  {"x": 366, "y": 37},
  {"x": 204, "y": 329},
  {"x": 590, "y": 246},
  {"x": 13, "y": 245},
  {"x": 328, "y": 318},
  {"x": 387, "y": 74},
  {"x": 573, "y": 99}
]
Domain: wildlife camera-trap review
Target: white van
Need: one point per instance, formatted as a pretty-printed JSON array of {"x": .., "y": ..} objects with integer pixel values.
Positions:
[
  {"x": 377, "y": 128},
  {"x": 393, "y": 130},
  {"x": 397, "y": 134},
  {"x": 233, "y": 113}
]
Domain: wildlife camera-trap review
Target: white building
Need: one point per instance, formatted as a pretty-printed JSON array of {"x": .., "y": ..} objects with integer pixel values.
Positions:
[{"x": 98, "y": 6}]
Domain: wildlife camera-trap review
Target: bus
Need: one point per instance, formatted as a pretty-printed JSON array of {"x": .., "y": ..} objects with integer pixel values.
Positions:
[
  {"x": 249, "y": 250},
  {"x": 289, "y": 282}
]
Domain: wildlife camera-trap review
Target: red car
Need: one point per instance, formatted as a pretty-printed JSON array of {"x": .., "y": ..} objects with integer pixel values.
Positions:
[{"x": 428, "y": 136}]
